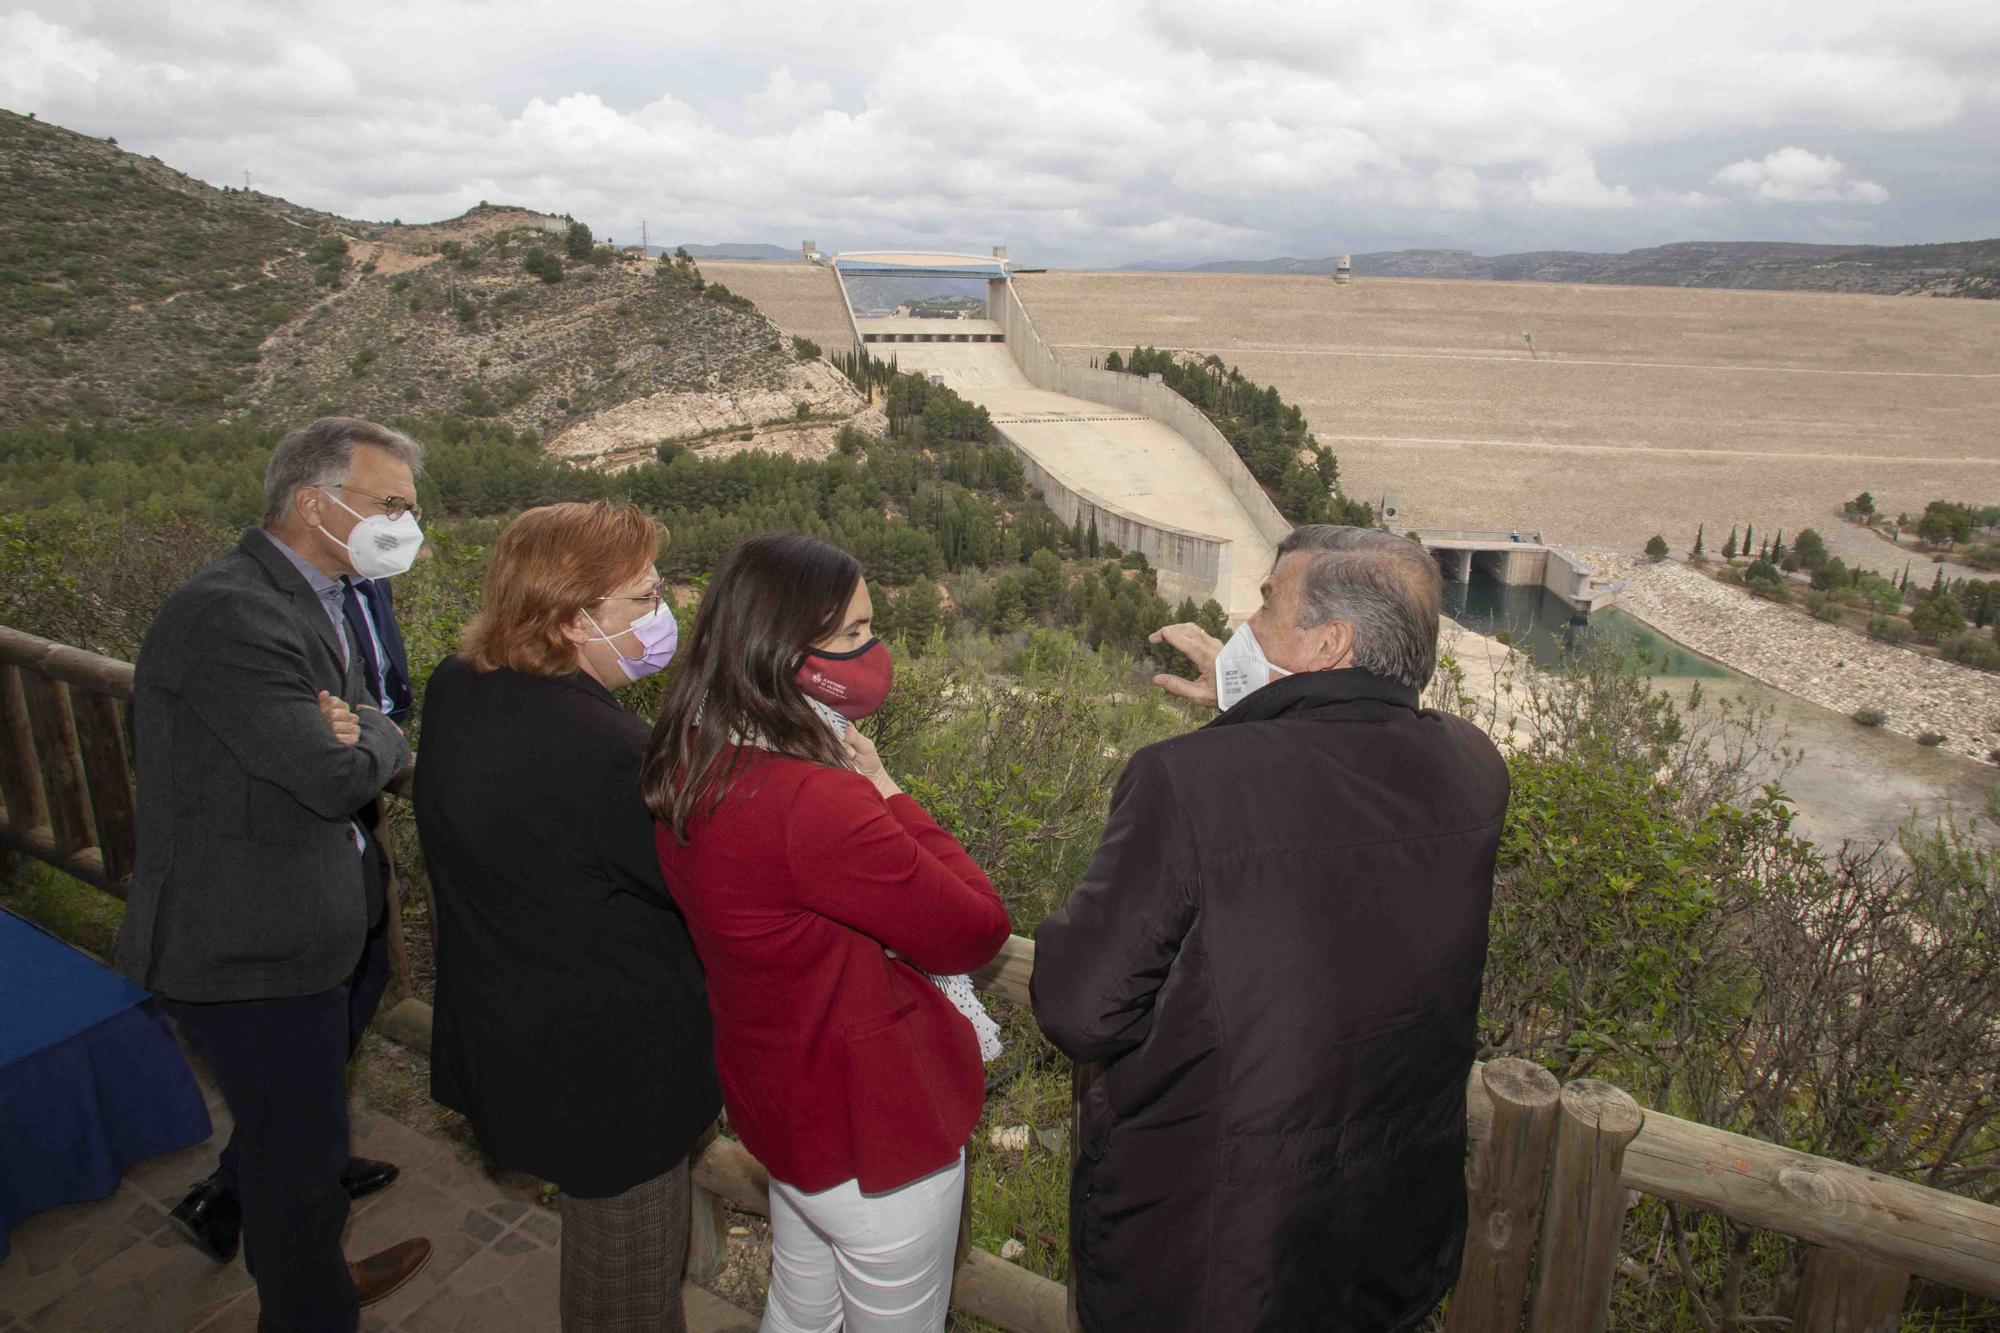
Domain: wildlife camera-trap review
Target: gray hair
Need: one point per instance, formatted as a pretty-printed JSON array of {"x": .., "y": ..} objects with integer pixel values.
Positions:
[
  {"x": 320, "y": 454},
  {"x": 1386, "y": 587}
]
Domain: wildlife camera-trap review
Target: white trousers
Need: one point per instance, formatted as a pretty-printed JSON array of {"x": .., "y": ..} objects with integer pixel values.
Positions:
[{"x": 868, "y": 1263}]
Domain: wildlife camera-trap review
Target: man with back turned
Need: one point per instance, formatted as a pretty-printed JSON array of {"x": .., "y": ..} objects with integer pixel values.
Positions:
[
  {"x": 257, "y": 907},
  {"x": 1276, "y": 957}
]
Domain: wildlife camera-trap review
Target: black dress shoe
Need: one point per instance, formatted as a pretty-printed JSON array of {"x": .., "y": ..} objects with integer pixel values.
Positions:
[
  {"x": 211, "y": 1219},
  {"x": 362, "y": 1177}
]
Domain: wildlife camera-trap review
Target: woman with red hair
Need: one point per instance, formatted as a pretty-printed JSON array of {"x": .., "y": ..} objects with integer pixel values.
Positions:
[{"x": 571, "y": 1026}]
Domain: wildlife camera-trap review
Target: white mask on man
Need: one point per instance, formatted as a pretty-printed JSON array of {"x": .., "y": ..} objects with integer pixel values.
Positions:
[
  {"x": 1241, "y": 669},
  {"x": 379, "y": 547}
]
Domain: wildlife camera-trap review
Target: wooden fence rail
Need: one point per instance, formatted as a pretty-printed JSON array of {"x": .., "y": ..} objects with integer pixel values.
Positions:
[{"x": 1548, "y": 1174}]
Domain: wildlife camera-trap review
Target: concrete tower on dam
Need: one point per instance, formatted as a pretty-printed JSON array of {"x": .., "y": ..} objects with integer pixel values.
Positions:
[{"x": 1123, "y": 451}]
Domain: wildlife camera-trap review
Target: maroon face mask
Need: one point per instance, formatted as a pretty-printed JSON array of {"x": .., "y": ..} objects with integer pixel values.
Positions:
[{"x": 851, "y": 684}]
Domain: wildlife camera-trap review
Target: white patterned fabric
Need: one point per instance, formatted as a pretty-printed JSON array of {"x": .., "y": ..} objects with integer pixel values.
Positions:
[{"x": 966, "y": 1000}]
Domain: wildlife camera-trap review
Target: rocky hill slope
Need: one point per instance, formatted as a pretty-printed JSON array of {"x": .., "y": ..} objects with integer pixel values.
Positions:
[{"x": 131, "y": 294}]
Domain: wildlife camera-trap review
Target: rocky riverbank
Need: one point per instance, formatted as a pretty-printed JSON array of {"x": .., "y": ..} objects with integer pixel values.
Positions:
[{"x": 1826, "y": 664}]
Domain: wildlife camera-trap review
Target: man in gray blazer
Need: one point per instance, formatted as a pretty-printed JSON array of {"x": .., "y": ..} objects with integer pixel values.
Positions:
[{"x": 256, "y": 910}]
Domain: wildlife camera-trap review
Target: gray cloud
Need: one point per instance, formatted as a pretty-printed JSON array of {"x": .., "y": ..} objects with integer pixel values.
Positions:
[{"x": 1076, "y": 133}]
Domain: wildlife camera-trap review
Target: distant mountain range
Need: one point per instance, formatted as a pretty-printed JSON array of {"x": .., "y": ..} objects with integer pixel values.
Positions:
[
  {"x": 732, "y": 250},
  {"x": 1957, "y": 268}
]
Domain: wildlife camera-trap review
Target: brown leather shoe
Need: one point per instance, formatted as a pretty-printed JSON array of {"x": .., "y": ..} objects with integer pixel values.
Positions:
[{"x": 380, "y": 1275}]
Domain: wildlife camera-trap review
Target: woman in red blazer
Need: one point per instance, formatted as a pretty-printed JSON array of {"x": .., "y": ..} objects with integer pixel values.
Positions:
[{"x": 819, "y": 896}]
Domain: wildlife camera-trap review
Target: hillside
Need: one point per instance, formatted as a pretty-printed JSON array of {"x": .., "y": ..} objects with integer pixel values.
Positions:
[
  {"x": 130, "y": 292},
  {"x": 1952, "y": 269},
  {"x": 136, "y": 295},
  {"x": 611, "y": 354}
]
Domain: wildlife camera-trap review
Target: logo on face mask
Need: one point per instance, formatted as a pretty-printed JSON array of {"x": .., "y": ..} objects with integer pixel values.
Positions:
[
  {"x": 1241, "y": 669},
  {"x": 854, "y": 684},
  {"x": 379, "y": 547}
]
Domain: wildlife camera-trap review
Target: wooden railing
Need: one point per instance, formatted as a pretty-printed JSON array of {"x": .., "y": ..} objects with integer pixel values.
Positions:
[{"x": 1549, "y": 1170}]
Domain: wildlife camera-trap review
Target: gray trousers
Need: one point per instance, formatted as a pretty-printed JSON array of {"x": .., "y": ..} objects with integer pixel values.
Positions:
[{"x": 622, "y": 1258}]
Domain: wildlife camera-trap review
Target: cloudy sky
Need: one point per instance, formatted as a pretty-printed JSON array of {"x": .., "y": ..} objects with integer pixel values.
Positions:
[{"x": 1076, "y": 132}]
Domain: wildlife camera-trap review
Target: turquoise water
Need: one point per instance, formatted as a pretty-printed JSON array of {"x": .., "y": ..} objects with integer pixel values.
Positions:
[{"x": 1542, "y": 624}]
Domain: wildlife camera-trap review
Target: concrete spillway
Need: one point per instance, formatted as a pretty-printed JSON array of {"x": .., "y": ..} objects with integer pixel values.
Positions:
[
  {"x": 1134, "y": 463},
  {"x": 1124, "y": 452}
]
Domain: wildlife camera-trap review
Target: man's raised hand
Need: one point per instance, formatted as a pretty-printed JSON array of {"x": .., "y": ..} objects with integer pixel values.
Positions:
[
  {"x": 340, "y": 719},
  {"x": 1199, "y": 647}
]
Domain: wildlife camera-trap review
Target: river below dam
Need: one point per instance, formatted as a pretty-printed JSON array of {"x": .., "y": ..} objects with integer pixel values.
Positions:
[
  {"x": 1851, "y": 783},
  {"x": 1539, "y": 622}
]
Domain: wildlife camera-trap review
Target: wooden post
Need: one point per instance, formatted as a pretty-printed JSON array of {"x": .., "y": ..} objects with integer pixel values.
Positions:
[
  {"x": 708, "y": 1225},
  {"x": 963, "y": 1250},
  {"x": 401, "y": 985},
  {"x": 1585, "y": 1210},
  {"x": 20, "y": 775},
  {"x": 54, "y": 731},
  {"x": 1845, "y": 1293},
  {"x": 1504, "y": 1204},
  {"x": 107, "y": 772}
]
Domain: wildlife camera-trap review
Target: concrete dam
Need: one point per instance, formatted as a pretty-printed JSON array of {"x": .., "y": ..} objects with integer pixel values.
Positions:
[
  {"x": 1119, "y": 450},
  {"x": 1122, "y": 451}
]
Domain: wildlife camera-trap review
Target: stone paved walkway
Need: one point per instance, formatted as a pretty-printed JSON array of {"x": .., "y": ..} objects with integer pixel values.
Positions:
[{"x": 116, "y": 1265}]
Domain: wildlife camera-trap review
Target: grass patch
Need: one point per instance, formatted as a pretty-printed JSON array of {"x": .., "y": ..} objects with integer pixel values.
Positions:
[{"x": 64, "y": 906}]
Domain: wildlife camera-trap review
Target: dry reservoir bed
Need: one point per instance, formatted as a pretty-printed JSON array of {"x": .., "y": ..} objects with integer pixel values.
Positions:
[{"x": 1641, "y": 410}]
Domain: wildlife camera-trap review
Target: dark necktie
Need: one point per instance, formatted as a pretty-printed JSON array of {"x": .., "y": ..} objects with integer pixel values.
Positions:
[{"x": 364, "y": 640}]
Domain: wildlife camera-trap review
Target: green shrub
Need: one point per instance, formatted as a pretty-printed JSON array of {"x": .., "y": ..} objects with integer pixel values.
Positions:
[
  {"x": 1870, "y": 717},
  {"x": 476, "y": 400},
  {"x": 1889, "y": 629},
  {"x": 1971, "y": 650},
  {"x": 543, "y": 264},
  {"x": 803, "y": 348},
  {"x": 721, "y": 295},
  {"x": 1936, "y": 616},
  {"x": 1932, "y": 739}
]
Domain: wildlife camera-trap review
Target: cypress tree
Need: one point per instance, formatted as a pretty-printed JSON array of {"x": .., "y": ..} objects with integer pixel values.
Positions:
[
  {"x": 1729, "y": 547},
  {"x": 1778, "y": 546},
  {"x": 1749, "y": 530},
  {"x": 1700, "y": 529}
]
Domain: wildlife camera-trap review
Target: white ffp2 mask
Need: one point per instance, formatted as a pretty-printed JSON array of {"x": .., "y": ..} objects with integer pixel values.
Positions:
[
  {"x": 1241, "y": 669},
  {"x": 379, "y": 547}
]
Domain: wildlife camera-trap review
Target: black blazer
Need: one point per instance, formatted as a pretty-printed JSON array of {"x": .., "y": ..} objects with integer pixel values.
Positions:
[
  {"x": 1277, "y": 956},
  {"x": 572, "y": 1023},
  {"x": 248, "y": 885}
]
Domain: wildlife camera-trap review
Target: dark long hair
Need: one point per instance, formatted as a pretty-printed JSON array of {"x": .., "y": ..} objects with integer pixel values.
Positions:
[{"x": 773, "y": 596}]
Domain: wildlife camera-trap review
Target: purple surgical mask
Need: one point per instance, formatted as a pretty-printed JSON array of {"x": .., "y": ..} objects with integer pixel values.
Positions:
[{"x": 658, "y": 636}]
